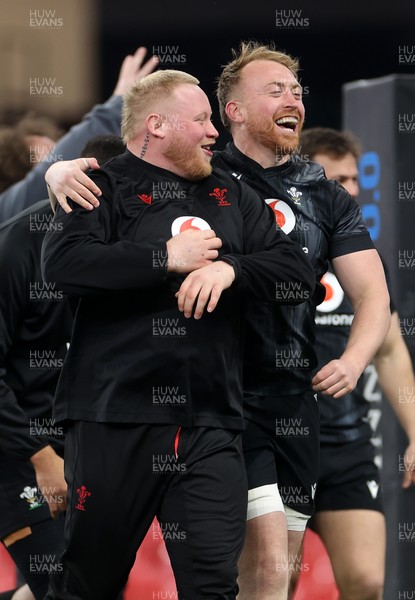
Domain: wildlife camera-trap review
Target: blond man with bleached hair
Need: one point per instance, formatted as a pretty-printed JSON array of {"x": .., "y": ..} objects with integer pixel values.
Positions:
[{"x": 154, "y": 91}]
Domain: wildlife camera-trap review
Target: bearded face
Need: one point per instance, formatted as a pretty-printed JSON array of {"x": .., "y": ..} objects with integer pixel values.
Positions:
[
  {"x": 279, "y": 132},
  {"x": 190, "y": 158},
  {"x": 189, "y": 134},
  {"x": 271, "y": 111}
]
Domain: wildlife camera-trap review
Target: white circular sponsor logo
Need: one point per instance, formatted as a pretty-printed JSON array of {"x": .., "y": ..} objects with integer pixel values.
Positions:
[
  {"x": 284, "y": 215},
  {"x": 184, "y": 223},
  {"x": 334, "y": 293}
]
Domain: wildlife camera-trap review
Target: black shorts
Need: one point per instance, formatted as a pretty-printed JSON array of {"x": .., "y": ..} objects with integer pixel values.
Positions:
[
  {"x": 37, "y": 555},
  {"x": 349, "y": 478},
  {"x": 121, "y": 476},
  {"x": 281, "y": 445},
  {"x": 21, "y": 504}
]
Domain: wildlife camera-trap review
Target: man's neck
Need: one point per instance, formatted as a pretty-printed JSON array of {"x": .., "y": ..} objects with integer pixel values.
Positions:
[
  {"x": 150, "y": 156},
  {"x": 263, "y": 155}
]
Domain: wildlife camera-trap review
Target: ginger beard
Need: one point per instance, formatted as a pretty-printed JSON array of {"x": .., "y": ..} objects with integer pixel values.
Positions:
[
  {"x": 188, "y": 158},
  {"x": 267, "y": 133}
]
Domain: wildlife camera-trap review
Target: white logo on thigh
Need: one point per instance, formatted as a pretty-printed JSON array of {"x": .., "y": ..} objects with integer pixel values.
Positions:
[
  {"x": 31, "y": 495},
  {"x": 373, "y": 488}
]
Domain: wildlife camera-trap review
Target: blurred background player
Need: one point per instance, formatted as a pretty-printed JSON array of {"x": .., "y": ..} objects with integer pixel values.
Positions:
[
  {"x": 102, "y": 119},
  {"x": 349, "y": 514},
  {"x": 35, "y": 322},
  {"x": 25, "y": 144}
]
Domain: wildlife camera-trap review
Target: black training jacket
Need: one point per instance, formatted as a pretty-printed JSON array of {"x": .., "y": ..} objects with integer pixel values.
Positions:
[{"x": 133, "y": 356}]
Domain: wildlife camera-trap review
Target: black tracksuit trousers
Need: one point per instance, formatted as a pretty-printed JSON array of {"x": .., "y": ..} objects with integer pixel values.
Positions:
[{"x": 122, "y": 476}]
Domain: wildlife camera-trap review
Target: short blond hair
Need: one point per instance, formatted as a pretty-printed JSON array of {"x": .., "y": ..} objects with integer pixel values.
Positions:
[
  {"x": 147, "y": 95},
  {"x": 231, "y": 74}
]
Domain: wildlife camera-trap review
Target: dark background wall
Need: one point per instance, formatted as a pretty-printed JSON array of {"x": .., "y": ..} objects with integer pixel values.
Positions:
[{"x": 336, "y": 42}]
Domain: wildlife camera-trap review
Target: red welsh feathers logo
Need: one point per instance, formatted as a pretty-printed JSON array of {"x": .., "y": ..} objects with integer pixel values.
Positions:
[
  {"x": 220, "y": 195},
  {"x": 83, "y": 494}
]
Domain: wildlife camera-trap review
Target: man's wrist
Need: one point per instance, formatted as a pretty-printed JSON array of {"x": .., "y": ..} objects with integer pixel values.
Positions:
[
  {"x": 41, "y": 456},
  {"x": 232, "y": 262}
]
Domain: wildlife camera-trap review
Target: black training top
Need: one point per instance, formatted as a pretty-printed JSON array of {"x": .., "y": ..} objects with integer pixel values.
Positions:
[
  {"x": 320, "y": 216},
  {"x": 35, "y": 326},
  {"x": 133, "y": 356}
]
